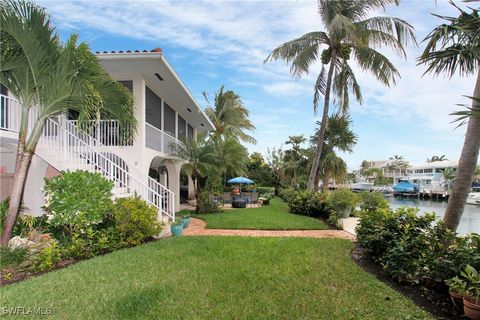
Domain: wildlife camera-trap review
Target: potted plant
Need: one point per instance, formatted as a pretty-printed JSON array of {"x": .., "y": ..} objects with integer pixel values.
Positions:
[
  {"x": 343, "y": 201},
  {"x": 458, "y": 290},
  {"x": 471, "y": 302},
  {"x": 186, "y": 220},
  {"x": 176, "y": 228}
]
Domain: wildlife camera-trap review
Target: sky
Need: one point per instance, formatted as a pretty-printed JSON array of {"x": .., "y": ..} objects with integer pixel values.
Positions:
[{"x": 215, "y": 43}]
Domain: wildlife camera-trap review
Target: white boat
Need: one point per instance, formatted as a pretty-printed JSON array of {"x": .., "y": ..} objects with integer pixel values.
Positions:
[
  {"x": 473, "y": 198},
  {"x": 362, "y": 186}
]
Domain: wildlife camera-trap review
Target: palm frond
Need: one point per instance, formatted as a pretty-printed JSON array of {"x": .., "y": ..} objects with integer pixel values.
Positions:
[
  {"x": 320, "y": 87},
  {"x": 373, "y": 61},
  {"x": 301, "y": 52}
]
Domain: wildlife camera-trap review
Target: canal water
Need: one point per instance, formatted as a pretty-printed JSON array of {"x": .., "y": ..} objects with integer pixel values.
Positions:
[{"x": 470, "y": 221}]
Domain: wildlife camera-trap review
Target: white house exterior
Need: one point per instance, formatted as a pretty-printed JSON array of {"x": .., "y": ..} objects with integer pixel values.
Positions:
[{"x": 166, "y": 113}]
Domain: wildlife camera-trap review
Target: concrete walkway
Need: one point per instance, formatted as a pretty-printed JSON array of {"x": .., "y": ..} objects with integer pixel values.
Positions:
[{"x": 197, "y": 228}]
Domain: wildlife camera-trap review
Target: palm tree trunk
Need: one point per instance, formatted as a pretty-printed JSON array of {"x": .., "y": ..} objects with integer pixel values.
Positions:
[
  {"x": 324, "y": 123},
  {"x": 16, "y": 196},
  {"x": 466, "y": 167},
  {"x": 317, "y": 180},
  {"x": 325, "y": 183}
]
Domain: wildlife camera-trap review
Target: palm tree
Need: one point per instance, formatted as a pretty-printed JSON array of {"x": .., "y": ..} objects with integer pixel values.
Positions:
[
  {"x": 339, "y": 137},
  {"x": 454, "y": 47},
  {"x": 199, "y": 157},
  {"x": 331, "y": 167},
  {"x": 448, "y": 176},
  {"x": 233, "y": 158},
  {"x": 436, "y": 158},
  {"x": 229, "y": 116},
  {"x": 398, "y": 163},
  {"x": 347, "y": 33},
  {"x": 51, "y": 78}
]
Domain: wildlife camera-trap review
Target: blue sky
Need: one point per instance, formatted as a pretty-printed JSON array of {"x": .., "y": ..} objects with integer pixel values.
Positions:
[{"x": 214, "y": 43}]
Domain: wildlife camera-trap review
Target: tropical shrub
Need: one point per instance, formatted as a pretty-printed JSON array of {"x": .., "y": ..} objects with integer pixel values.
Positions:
[
  {"x": 91, "y": 241},
  {"x": 307, "y": 202},
  {"x": 10, "y": 256},
  {"x": 205, "y": 203},
  {"x": 371, "y": 201},
  {"x": 342, "y": 198},
  {"x": 47, "y": 257},
  {"x": 416, "y": 249},
  {"x": 77, "y": 199},
  {"x": 135, "y": 220}
]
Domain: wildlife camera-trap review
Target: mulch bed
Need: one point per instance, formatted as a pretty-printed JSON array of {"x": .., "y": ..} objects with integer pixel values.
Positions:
[
  {"x": 10, "y": 275},
  {"x": 436, "y": 302}
]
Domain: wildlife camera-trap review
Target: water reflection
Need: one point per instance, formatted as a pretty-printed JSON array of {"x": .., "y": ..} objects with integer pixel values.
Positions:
[{"x": 470, "y": 221}]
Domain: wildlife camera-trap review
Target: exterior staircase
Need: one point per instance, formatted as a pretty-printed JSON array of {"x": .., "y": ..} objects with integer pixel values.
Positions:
[{"x": 66, "y": 147}]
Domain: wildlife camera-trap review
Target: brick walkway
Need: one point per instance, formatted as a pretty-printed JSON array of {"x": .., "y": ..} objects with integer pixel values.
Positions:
[{"x": 197, "y": 228}]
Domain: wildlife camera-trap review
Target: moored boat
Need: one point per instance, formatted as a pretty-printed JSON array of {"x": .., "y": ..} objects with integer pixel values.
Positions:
[
  {"x": 473, "y": 198},
  {"x": 405, "y": 187}
]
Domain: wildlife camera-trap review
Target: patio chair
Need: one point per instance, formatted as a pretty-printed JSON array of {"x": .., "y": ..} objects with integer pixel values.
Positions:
[
  {"x": 227, "y": 197},
  {"x": 254, "y": 199}
]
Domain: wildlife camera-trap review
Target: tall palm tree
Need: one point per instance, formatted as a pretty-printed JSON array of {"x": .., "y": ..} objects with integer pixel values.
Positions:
[
  {"x": 348, "y": 33},
  {"x": 331, "y": 167},
  {"x": 233, "y": 158},
  {"x": 51, "y": 77},
  {"x": 229, "y": 116},
  {"x": 454, "y": 47}
]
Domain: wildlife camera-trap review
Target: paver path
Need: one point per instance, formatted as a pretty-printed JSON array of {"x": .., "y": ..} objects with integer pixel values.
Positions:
[{"x": 197, "y": 228}]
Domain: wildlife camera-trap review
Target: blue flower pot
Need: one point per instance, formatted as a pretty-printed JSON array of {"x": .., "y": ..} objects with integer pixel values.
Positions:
[
  {"x": 176, "y": 229},
  {"x": 186, "y": 222}
]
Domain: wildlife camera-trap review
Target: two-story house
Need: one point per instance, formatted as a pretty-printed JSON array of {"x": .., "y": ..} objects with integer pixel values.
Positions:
[{"x": 167, "y": 114}]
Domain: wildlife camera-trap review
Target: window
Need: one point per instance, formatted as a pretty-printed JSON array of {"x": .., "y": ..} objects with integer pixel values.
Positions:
[
  {"x": 182, "y": 130},
  {"x": 169, "y": 121},
  {"x": 190, "y": 132},
  {"x": 428, "y": 170},
  {"x": 153, "y": 109},
  {"x": 127, "y": 84}
]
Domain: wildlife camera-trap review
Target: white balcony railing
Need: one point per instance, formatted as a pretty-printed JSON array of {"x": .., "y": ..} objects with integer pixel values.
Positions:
[
  {"x": 159, "y": 140},
  {"x": 106, "y": 132}
]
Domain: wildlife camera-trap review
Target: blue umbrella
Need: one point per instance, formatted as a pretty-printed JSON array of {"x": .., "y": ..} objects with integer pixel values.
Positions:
[{"x": 240, "y": 180}]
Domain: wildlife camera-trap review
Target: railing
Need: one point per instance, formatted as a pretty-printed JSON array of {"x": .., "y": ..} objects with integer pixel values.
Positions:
[
  {"x": 80, "y": 155},
  {"x": 107, "y": 132},
  {"x": 159, "y": 140},
  {"x": 74, "y": 146},
  {"x": 11, "y": 114}
]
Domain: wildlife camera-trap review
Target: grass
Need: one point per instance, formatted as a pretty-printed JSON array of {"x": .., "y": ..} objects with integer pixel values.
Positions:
[
  {"x": 216, "y": 278},
  {"x": 270, "y": 217}
]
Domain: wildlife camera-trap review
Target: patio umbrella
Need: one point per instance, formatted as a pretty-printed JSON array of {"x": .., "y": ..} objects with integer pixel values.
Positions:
[{"x": 240, "y": 180}]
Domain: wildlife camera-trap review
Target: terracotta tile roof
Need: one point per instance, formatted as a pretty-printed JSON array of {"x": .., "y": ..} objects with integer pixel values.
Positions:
[{"x": 130, "y": 51}]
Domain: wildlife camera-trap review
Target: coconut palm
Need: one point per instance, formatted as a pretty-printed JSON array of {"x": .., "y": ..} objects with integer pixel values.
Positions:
[
  {"x": 233, "y": 158},
  {"x": 348, "y": 33},
  {"x": 50, "y": 78},
  {"x": 452, "y": 47},
  {"x": 229, "y": 116}
]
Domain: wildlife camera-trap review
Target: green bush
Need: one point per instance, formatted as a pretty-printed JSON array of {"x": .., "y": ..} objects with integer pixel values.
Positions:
[
  {"x": 77, "y": 199},
  {"x": 135, "y": 220},
  {"x": 307, "y": 203},
  {"x": 416, "y": 249},
  {"x": 47, "y": 258},
  {"x": 205, "y": 203},
  {"x": 3, "y": 212},
  {"x": 371, "y": 201},
  {"x": 92, "y": 241},
  {"x": 12, "y": 256},
  {"x": 342, "y": 199},
  {"x": 266, "y": 190}
]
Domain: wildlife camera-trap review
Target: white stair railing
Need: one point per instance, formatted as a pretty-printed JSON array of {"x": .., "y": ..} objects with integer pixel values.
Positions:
[
  {"x": 72, "y": 148},
  {"x": 80, "y": 156},
  {"x": 161, "y": 196}
]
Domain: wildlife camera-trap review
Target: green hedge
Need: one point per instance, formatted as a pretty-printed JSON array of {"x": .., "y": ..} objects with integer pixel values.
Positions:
[
  {"x": 416, "y": 249},
  {"x": 306, "y": 202}
]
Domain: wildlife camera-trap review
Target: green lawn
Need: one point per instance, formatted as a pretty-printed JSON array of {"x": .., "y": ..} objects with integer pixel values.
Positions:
[
  {"x": 271, "y": 217},
  {"x": 216, "y": 278}
]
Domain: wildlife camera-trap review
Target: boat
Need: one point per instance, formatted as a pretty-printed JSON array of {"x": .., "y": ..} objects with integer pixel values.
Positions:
[
  {"x": 362, "y": 186},
  {"x": 473, "y": 198},
  {"x": 405, "y": 187}
]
